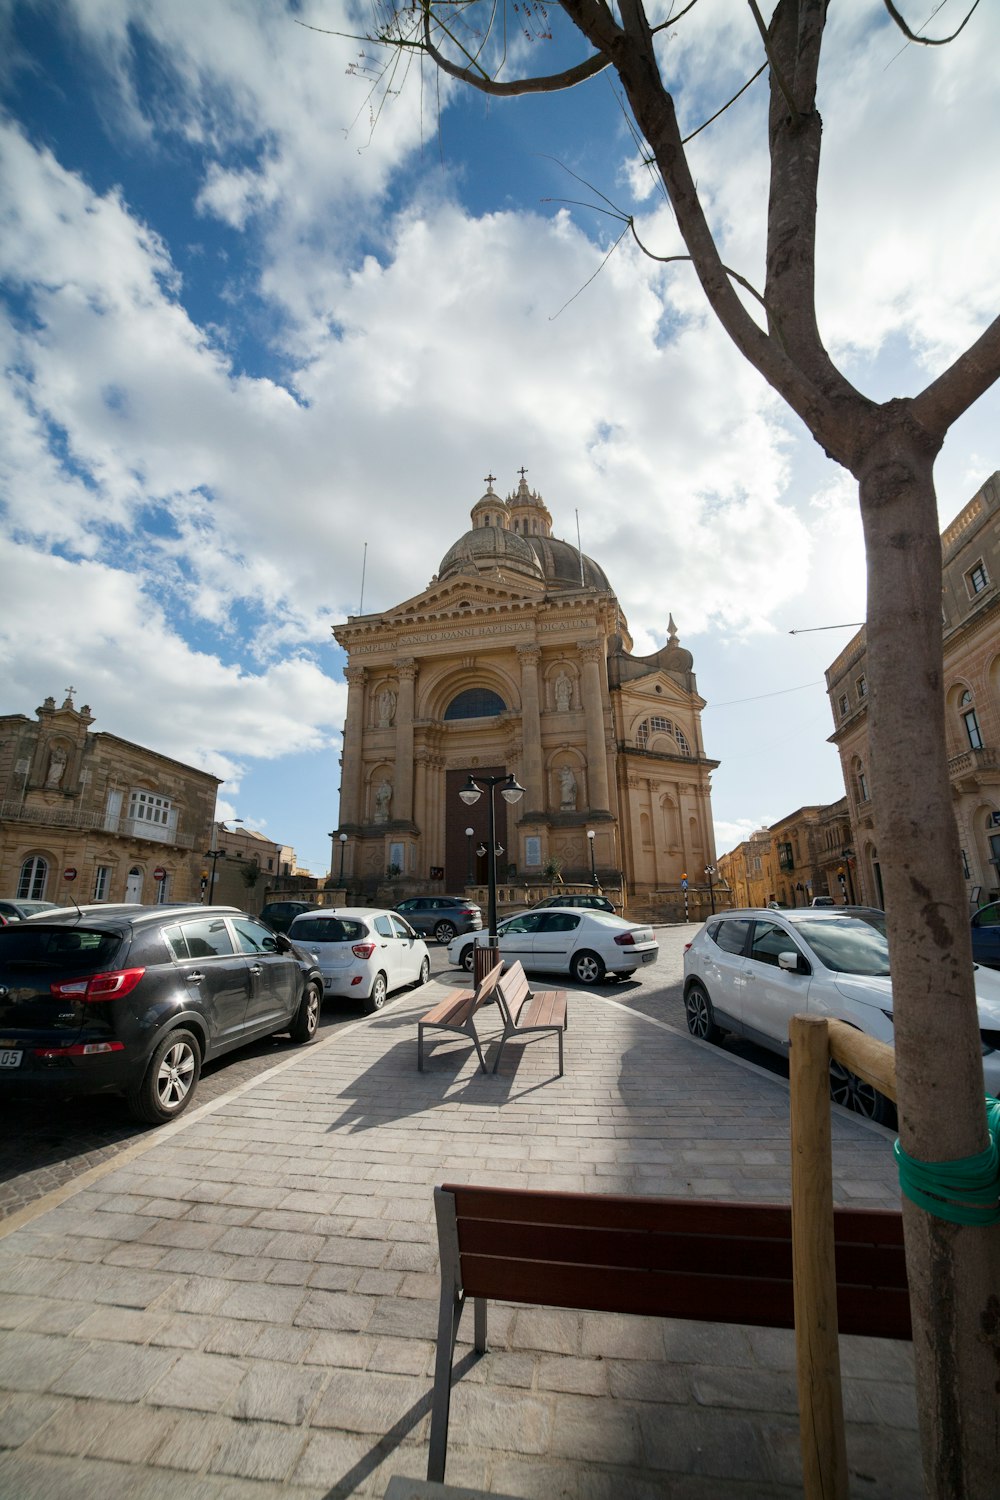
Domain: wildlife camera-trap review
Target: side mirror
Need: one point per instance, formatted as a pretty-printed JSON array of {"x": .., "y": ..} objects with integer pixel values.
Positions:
[
  {"x": 284, "y": 942},
  {"x": 794, "y": 963}
]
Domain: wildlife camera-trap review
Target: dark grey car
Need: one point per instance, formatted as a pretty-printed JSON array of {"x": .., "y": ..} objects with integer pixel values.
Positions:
[
  {"x": 136, "y": 1000},
  {"x": 443, "y": 917}
]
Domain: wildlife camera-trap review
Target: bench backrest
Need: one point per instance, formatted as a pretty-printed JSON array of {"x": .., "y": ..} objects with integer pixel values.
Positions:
[
  {"x": 513, "y": 989},
  {"x": 669, "y": 1257},
  {"x": 487, "y": 985}
]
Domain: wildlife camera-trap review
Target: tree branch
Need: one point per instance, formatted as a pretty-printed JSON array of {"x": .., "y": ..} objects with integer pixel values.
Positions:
[
  {"x": 550, "y": 84},
  {"x": 925, "y": 41},
  {"x": 954, "y": 391}
]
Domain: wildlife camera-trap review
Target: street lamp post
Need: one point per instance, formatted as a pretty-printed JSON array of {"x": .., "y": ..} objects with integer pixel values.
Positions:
[
  {"x": 510, "y": 791},
  {"x": 710, "y": 872},
  {"x": 343, "y": 846},
  {"x": 591, "y": 836},
  {"x": 214, "y": 855},
  {"x": 470, "y": 834},
  {"x": 847, "y": 854}
]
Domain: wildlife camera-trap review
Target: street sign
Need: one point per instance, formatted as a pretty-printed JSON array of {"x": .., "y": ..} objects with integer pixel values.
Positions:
[
  {"x": 684, "y": 885},
  {"x": 69, "y": 873},
  {"x": 159, "y": 873}
]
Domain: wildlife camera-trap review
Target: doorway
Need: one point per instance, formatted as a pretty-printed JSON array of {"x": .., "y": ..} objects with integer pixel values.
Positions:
[{"x": 459, "y": 817}]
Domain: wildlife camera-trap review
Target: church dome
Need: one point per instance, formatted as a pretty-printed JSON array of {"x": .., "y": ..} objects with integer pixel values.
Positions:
[
  {"x": 561, "y": 564},
  {"x": 490, "y": 547}
]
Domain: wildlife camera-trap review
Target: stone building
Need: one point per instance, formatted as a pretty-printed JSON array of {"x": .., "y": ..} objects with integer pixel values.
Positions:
[
  {"x": 244, "y": 866},
  {"x": 131, "y": 824},
  {"x": 807, "y": 853},
  {"x": 970, "y": 610},
  {"x": 517, "y": 658}
]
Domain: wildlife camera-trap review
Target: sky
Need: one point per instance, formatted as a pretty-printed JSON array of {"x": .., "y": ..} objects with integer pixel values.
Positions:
[{"x": 269, "y": 316}]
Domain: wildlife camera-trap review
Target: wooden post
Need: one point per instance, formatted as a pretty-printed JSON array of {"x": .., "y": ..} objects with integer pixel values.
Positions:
[{"x": 817, "y": 1348}]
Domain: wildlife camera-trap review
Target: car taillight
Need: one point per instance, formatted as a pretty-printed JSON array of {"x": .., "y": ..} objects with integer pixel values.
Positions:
[
  {"x": 625, "y": 940},
  {"x": 109, "y": 986},
  {"x": 363, "y": 950},
  {"x": 79, "y": 1049},
  {"x": 686, "y": 947}
]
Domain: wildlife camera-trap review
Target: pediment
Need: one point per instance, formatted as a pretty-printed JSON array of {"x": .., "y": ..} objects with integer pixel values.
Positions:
[{"x": 462, "y": 595}]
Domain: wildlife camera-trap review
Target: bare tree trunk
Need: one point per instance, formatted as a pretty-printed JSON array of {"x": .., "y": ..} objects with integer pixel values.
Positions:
[{"x": 954, "y": 1270}]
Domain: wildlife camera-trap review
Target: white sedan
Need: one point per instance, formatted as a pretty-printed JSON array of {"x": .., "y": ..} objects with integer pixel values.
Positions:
[{"x": 589, "y": 944}]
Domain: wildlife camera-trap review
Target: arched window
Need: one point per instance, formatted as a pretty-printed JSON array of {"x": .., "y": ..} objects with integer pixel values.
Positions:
[
  {"x": 475, "y": 703},
  {"x": 657, "y": 724},
  {"x": 971, "y": 721},
  {"x": 31, "y": 883}
]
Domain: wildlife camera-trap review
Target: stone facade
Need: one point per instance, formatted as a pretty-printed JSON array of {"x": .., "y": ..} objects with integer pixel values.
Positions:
[
  {"x": 971, "y": 626},
  {"x": 113, "y": 812},
  {"x": 517, "y": 659},
  {"x": 806, "y": 854},
  {"x": 247, "y": 867}
]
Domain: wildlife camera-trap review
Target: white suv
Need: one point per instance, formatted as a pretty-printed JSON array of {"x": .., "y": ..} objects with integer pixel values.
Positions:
[{"x": 750, "y": 971}]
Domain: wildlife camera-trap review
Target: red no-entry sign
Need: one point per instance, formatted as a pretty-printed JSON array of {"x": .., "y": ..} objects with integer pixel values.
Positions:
[
  {"x": 69, "y": 873},
  {"x": 159, "y": 873}
]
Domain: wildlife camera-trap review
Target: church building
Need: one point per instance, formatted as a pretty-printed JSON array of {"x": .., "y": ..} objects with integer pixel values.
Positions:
[{"x": 516, "y": 659}]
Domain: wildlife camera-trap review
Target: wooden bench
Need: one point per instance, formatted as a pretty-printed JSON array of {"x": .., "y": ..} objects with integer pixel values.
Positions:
[
  {"x": 456, "y": 1012},
  {"x": 524, "y": 1011},
  {"x": 665, "y": 1257}
]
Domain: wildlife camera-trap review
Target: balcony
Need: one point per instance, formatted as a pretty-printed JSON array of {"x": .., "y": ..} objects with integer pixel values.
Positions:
[
  {"x": 75, "y": 818},
  {"x": 974, "y": 767}
]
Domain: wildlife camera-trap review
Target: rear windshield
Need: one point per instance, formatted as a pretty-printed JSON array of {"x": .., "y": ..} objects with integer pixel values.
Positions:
[
  {"x": 328, "y": 930},
  {"x": 29, "y": 945}
]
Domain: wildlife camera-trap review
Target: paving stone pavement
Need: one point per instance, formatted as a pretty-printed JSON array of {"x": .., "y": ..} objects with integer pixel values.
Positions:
[{"x": 246, "y": 1307}]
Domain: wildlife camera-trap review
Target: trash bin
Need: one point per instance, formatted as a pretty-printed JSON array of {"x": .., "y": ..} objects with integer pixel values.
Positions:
[{"x": 485, "y": 956}]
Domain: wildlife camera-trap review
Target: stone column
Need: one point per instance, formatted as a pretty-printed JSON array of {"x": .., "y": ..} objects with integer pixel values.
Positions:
[
  {"x": 406, "y": 669},
  {"x": 593, "y": 707},
  {"x": 351, "y": 810},
  {"x": 531, "y": 729}
]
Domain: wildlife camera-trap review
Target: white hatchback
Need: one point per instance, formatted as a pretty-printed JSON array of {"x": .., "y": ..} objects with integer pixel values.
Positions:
[
  {"x": 363, "y": 953},
  {"x": 590, "y": 944}
]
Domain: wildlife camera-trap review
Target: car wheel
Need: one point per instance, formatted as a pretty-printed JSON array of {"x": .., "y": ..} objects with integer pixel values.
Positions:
[
  {"x": 587, "y": 968},
  {"x": 425, "y": 973},
  {"x": 466, "y": 960},
  {"x": 853, "y": 1093},
  {"x": 445, "y": 931},
  {"x": 306, "y": 1023},
  {"x": 168, "y": 1085},
  {"x": 376, "y": 999},
  {"x": 700, "y": 1015}
]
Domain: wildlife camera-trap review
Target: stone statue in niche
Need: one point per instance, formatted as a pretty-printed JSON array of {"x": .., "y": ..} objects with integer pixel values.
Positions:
[
  {"x": 383, "y": 796},
  {"x": 567, "y": 788},
  {"x": 57, "y": 766},
  {"x": 564, "y": 692},
  {"x": 386, "y": 705}
]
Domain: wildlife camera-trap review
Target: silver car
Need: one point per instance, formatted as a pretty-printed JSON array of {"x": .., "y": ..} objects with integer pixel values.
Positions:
[{"x": 749, "y": 972}]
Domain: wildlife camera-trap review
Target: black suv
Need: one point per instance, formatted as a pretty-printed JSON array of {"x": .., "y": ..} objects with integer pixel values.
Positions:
[
  {"x": 134, "y": 1000},
  {"x": 592, "y": 903},
  {"x": 444, "y": 917}
]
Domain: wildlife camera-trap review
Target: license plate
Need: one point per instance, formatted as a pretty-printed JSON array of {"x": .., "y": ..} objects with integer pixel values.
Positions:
[
  {"x": 647, "y": 958},
  {"x": 9, "y": 1059},
  {"x": 328, "y": 984}
]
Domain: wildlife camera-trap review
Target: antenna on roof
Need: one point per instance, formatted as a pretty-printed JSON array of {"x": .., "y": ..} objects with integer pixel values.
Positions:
[
  {"x": 364, "y": 564},
  {"x": 578, "y": 547}
]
